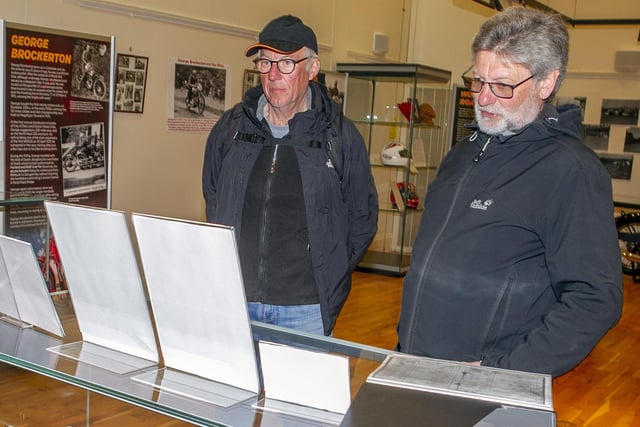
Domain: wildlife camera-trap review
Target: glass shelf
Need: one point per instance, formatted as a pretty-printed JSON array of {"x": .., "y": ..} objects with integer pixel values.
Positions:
[
  {"x": 22, "y": 201},
  {"x": 380, "y": 165},
  {"x": 389, "y": 209},
  {"x": 401, "y": 124}
]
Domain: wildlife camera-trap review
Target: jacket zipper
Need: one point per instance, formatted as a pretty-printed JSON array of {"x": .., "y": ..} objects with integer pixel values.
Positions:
[
  {"x": 478, "y": 156},
  {"x": 436, "y": 240},
  {"x": 265, "y": 216}
]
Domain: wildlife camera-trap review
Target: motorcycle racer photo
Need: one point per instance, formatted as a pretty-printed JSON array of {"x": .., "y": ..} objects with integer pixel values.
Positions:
[
  {"x": 83, "y": 158},
  {"x": 91, "y": 65},
  {"x": 192, "y": 83}
]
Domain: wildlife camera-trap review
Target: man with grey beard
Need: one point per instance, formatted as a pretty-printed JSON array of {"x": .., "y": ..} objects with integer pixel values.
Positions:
[{"x": 516, "y": 263}]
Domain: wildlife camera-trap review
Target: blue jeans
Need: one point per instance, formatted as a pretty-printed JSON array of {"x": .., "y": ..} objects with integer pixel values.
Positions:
[{"x": 306, "y": 318}]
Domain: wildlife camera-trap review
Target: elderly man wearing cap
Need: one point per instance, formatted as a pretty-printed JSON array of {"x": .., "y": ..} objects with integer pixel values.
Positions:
[{"x": 292, "y": 175}]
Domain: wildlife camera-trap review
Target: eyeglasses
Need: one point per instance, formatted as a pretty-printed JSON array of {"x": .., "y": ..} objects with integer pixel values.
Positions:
[
  {"x": 501, "y": 90},
  {"x": 285, "y": 65}
]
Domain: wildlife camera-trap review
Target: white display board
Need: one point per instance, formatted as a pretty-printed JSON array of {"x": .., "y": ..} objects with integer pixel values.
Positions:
[
  {"x": 197, "y": 296},
  {"x": 304, "y": 383},
  {"x": 315, "y": 379},
  {"x": 23, "y": 292},
  {"x": 105, "y": 285}
]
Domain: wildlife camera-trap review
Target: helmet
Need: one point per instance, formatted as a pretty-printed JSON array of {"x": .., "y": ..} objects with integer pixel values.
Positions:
[
  {"x": 408, "y": 194},
  {"x": 427, "y": 113},
  {"x": 394, "y": 154}
]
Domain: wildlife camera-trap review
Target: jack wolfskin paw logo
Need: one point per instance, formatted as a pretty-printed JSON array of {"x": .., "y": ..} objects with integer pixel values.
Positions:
[{"x": 479, "y": 204}]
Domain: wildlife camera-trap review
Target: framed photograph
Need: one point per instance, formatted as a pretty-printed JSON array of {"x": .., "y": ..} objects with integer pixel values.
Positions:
[
  {"x": 488, "y": 3},
  {"x": 131, "y": 75},
  {"x": 632, "y": 140},
  {"x": 596, "y": 137},
  {"x": 618, "y": 165},
  {"x": 200, "y": 93},
  {"x": 620, "y": 112},
  {"x": 251, "y": 79}
]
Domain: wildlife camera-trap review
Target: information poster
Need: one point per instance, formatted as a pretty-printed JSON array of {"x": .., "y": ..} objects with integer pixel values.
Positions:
[
  {"x": 56, "y": 126},
  {"x": 463, "y": 113},
  {"x": 198, "y": 95}
]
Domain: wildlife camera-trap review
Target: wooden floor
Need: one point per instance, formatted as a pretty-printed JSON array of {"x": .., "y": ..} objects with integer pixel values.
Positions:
[{"x": 603, "y": 391}]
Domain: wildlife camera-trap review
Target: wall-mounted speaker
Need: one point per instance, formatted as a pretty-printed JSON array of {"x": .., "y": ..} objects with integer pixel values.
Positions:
[
  {"x": 380, "y": 43},
  {"x": 627, "y": 60}
]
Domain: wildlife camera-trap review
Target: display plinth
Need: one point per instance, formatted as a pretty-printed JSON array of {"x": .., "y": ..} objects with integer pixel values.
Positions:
[
  {"x": 393, "y": 264},
  {"x": 15, "y": 322},
  {"x": 192, "y": 386},
  {"x": 450, "y": 394},
  {"x": 102, "y": 357},
  {"x": 299, "y": 411},
  {"x": 374, "y": 404},
  {"x": 381, "y": 405}
]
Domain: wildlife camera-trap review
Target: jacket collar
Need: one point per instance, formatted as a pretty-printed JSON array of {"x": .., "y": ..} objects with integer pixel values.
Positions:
[
  {"x": 321, "y": 113},
  {"x": 551, "y": 119}
]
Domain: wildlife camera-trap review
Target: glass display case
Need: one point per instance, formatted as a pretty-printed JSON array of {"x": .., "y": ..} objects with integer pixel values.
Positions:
[
  {"x": 402, "y": 111},
  {"x": 434, "y": 393},
  {"x": 26, "y": 348}
]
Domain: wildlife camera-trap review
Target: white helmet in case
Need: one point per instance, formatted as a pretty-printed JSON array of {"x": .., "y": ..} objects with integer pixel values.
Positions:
[{"x": 394, "y": 154}]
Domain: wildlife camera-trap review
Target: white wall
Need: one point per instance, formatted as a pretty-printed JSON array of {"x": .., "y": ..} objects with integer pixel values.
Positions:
[{"x": 441, "y": 33}]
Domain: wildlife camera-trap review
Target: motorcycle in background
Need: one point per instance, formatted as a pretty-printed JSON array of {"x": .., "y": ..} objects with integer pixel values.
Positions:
[
  {"x": 628, "y": 225},
  {"x": 88, "y": 154},
  {"x": 89, "y": 78},
  {"x": 197, "y": 97}
]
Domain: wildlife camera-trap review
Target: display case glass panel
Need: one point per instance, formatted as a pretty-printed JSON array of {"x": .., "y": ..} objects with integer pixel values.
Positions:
[{"x": 402, "y": 111}]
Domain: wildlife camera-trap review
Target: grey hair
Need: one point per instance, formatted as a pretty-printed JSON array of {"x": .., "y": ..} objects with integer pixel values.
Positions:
[
  {"x": 311, "y": 54},
  {"x": 532, "y": 38}
]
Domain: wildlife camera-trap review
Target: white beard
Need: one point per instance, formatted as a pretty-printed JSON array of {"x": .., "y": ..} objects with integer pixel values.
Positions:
[{"x": 506, "y": 121}]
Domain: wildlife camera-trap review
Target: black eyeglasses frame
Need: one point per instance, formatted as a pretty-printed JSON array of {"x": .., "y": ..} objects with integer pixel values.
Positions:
[
  {"x": 468, "y": 81},
  {"x": 277, "y": 62}
]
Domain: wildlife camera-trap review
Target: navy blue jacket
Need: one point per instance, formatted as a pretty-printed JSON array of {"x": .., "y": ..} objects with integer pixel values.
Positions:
[
  {"x": 341, "y": 205},
  {"x": 516, "y": 262}
]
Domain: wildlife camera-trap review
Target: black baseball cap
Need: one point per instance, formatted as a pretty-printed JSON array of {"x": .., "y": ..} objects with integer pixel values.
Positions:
[{"x": 285, "y": 34}]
